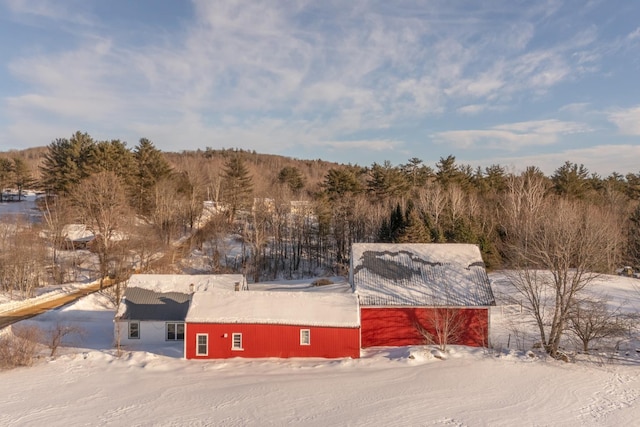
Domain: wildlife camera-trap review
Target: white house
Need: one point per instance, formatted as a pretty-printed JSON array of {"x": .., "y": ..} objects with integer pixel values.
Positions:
[{"x": 154, "y": 306}]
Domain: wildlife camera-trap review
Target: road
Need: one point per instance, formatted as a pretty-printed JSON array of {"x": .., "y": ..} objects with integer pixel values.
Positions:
[
  {"x": 14, "y": 316},
  {"x": 11, "y": 317}
]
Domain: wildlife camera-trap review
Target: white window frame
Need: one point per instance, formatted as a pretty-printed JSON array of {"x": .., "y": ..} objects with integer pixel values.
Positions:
[
  {"x": 206, "y": 344},
  {"x": 176, "y": 325},
  {"x": 129, "y": 325},
  {"x": 305, "y": 336},
  {"x": 236, "y": 336}
]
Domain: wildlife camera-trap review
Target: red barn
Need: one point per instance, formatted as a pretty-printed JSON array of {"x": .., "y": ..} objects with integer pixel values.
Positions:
[
  {"x": 272, "y": 324},
  {"x": 407, "y": 291}
]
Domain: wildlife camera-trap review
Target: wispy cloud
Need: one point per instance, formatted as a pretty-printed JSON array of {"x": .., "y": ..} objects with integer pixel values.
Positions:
[
  {"x": 281, "y": 75},
  {"x": 261, "y": 56},
  {"x": 61, "y": 11},
  {"x": 369, "y": 144},
  {"x": 512, "y": 136},
  {"x": 634, "y": 35},
  {"x": 575, "y": 107},
  {"x": 472, "y": 109},
  {"x": 627, "y": 121},
  {"x": 600, "y": 159}
]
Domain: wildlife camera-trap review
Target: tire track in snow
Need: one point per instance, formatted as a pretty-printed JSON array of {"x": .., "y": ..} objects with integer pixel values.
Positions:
[
  {"x": 617, "y": 393},
  {"x": 448, "y": 422}
]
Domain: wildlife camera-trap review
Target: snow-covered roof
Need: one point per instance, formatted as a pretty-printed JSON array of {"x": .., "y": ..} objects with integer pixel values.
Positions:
[
  {"x": 77, "y": 232},
  {"x": 430, "y": 274},
  {"x": 283, "y": 308},
  {"x": 185, "y": 283},
  {"x": 166, "y": 296}
]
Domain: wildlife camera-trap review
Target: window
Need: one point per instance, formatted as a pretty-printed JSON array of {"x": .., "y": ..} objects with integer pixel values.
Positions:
[
  {"x": 175, "y": 331},
  {"x": 134, "y": 330},
  {"x": 305, "y": 337},
  {"x": 236, "y": 343},
  {"x": 202, "y": 349}
]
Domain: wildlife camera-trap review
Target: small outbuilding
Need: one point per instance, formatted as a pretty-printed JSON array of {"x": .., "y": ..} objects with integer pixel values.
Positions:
[
  {"x": 77, "y": 236},
  {"x": 258, "y": 324},
  {"x": 408, "y": 291}
]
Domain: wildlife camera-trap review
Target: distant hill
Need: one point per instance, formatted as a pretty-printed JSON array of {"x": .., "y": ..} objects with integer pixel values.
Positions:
[{"x": 264, "y": 167}]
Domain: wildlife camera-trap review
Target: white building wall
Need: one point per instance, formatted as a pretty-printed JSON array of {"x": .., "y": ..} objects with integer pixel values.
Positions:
[{"x": 151, "y": 333}]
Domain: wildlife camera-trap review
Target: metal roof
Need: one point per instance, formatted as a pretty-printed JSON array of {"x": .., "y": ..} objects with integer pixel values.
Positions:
[
  {"x": 412, "y": 275},
  {"x": 145, "y": 304}
]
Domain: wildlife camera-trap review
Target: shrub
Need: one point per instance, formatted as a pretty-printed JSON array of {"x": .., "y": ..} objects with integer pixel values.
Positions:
[
  {"x": 19, "y": 347},
  {"x": 56, "y": 335},
  {"x": 322, "y": 282}
]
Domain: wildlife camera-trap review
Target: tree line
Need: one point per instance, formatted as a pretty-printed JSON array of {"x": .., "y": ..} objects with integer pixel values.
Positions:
[
  {"x": 119, "y": 191},
  {"x": 293, "y": 218}
]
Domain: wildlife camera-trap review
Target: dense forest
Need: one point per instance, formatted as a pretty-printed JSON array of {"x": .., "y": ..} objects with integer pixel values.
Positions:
[{"x": 291, "y": 217}]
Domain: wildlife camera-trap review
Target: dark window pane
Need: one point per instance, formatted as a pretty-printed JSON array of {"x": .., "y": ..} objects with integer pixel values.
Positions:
[
  {"x": 202, "y": 345},
  {"x": 134, "y": 330},
  {"x": 180, "y": 331}
]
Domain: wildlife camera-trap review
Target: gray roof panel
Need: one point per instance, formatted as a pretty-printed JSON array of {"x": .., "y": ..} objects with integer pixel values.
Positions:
[{"x": 145, "y": 304}]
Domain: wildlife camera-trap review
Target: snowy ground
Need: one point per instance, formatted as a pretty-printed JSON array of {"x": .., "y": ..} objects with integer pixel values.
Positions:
[{"x": 88, "y": 385}]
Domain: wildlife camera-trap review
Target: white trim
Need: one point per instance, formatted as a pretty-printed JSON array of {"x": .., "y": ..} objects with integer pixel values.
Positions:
[
  {"x": 305, "y": 336},
  {"x": 133, "y": 322},
  {"x": 175, "y": 332},
  {"x": 206, "y": 344},
  {"x": 235, "y": 347},
  {"x": 184, "y": 343}
]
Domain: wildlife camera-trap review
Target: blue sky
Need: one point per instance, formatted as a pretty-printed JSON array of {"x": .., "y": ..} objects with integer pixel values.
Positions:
[{"x": 513, "y": 82}]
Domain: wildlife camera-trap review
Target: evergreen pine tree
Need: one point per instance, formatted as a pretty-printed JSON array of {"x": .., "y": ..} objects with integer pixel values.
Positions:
[
  {"x": 21, "y": 176},
  {"x": 150, "y": 168},
  {"x": 571, "y": 180},
  {"x": 414, "y": 230},
  {"x": 237, "y": 186},
  {"x": 396, "y": 223},
  {"x": 292, "y": 177},
  {"x": 114, "y": 156},
  {"x": 384, "y": 234},
  {"x": 66, "y": 162}
]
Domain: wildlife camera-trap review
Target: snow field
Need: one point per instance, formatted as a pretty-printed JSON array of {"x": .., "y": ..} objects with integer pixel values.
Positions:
[{"x": 88, "y": 385}]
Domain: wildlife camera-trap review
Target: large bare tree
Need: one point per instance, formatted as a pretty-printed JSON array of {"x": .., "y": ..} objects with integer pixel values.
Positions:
[
  {"x": 556, "y": 247},
  {"x": 102, "y": 204},
  {"x": 169, "y": 210}
]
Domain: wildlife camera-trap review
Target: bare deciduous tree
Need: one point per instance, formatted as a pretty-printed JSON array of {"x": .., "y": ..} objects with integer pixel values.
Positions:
[
  {"x": 591, "y": 320},
  {"x": 102, "y": 203},
  {"x": 60, "y": 331},
  {"x": 455, "y": 202},
  {"x": 192, "y": 186},
  {"x": 169, "y": 211},
  {"x": 445, "y": 326},
  {"x": 256, "y": 233},
  {"x": 556, "y": 247},
  {"x": 56, "y": 213},
  {"x": 145, "y": 245},
  {"x": 433, "y": 200},
  {"x": 22, "y": 259}
]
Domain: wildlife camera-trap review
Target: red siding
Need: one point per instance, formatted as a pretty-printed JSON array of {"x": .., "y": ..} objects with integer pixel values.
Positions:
[
  {"x": 397, "y": 326},
  {"x": 273, "y": 341}
]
